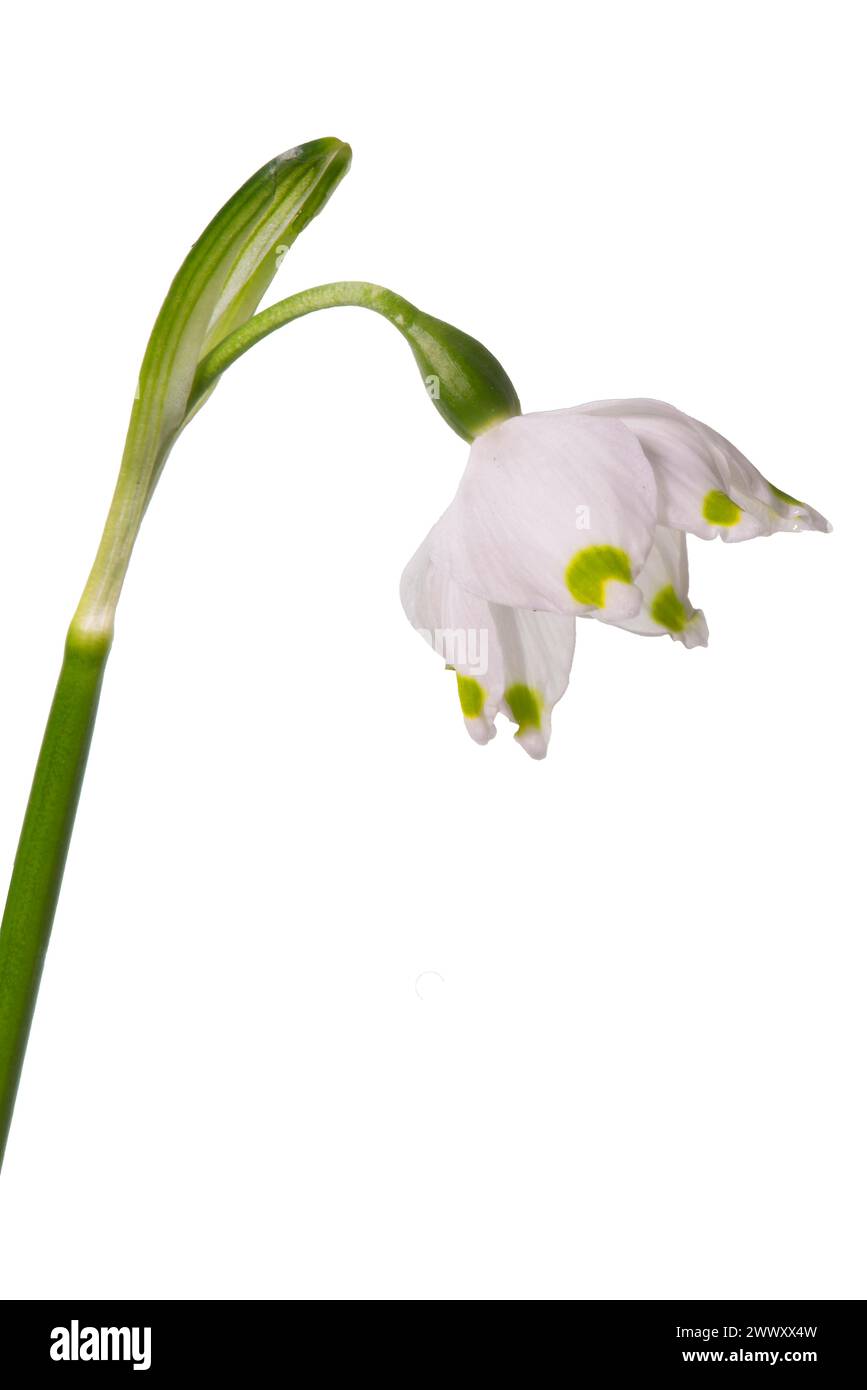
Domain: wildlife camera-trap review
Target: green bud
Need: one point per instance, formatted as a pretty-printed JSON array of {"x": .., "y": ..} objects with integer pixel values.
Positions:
[{"x": 464, "y": 380}]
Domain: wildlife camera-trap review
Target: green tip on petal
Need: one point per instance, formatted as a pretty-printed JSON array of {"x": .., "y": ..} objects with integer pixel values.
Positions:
[
  {"x": 471, "y": 696},
  {"x": 525, "y": 707},
  {"x": 720, "y": 510},
  {"x": 668, "y": 611},
  {"x": 786, "y": 497},
  {"x": 590, "y": 570}
]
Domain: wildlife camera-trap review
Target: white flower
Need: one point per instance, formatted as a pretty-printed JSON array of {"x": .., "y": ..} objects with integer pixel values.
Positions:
[{"x": 577, "y": 513}]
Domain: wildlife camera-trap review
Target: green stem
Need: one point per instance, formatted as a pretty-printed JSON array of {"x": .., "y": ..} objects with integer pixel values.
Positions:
[
  {"x": 41, "y": 856},
  {"x": 342, "y": 294},
  {"x": 466, "y": 383}
]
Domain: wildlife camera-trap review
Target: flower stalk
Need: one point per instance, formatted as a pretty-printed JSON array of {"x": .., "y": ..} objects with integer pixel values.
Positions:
[{"x": 472, "y": 391}]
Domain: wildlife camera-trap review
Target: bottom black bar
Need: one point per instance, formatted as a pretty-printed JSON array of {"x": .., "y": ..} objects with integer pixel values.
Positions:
[{"x": 156, "y": 1339}]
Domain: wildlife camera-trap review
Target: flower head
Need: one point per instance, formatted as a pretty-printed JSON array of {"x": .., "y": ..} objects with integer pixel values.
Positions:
[{"x": 577, "y": 513}]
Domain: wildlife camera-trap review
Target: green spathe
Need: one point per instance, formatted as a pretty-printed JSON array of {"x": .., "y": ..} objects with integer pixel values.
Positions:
[{"x": 217, "y": 288}]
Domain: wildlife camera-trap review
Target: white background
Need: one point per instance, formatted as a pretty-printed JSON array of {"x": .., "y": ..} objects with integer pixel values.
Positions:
[{"x": 339, "y": 1005}]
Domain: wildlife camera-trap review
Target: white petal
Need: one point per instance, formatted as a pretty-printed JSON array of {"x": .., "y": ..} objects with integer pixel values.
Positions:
[
  {"x": 536, "y": 653},
  {"x": 460, "y": 628},
  {"x": 705, "y": 484},
  {"x": 505, "y": 659},
  {"x": 664, "y": 582},
  {"x": 555, "y": 511}
]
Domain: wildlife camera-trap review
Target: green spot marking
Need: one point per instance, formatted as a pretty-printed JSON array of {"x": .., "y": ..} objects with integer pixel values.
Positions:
[
  {"x": 471, "y": 696},
  {"x": 525, "y": 706},
  {"x": 668, "y": 611},
  {"x": 785, "y": 496},
  {"x": 720, "y": 510},
  {"x": 589, "y": 571}
]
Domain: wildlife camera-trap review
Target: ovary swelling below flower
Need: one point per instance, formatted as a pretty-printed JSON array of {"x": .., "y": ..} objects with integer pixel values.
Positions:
[{"x": 577, "y": 513}]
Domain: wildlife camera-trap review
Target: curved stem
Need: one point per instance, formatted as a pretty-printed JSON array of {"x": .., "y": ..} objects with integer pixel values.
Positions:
[
  {"x": 465, "y": 382},
  {"x": 341, "y": 294}
]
